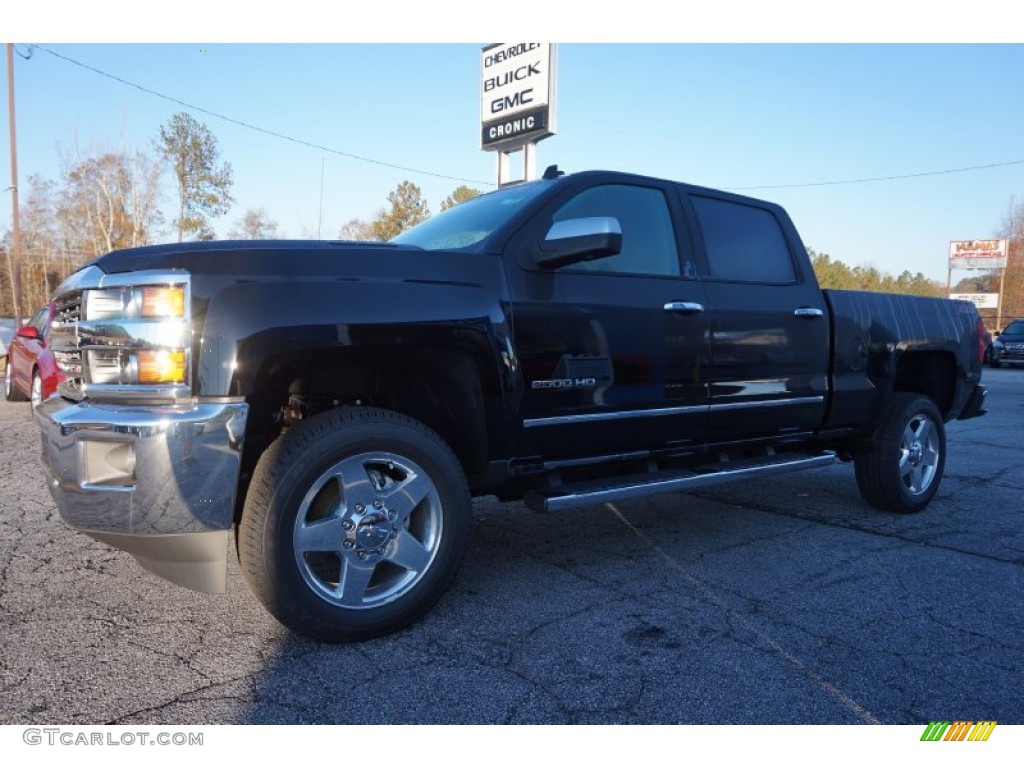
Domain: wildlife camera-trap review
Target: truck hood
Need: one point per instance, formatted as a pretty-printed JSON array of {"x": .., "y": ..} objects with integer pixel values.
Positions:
[{"x": 277, "y": 257}]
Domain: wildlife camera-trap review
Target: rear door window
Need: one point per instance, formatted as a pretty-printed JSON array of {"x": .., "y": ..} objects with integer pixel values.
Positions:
[{"x": 743, "y": 242}]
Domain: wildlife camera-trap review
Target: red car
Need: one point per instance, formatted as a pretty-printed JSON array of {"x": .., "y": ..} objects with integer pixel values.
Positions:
[{"x": 32, "y": 372}]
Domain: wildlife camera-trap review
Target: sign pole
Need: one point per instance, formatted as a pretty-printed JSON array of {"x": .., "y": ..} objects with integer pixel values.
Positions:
[
  {"x": 530, "y": 161},
  {"x": 502, "y": 167},
  {"x": 999, "y": 306}
]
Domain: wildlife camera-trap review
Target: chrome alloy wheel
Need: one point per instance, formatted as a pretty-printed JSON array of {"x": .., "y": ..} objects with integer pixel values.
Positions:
[
  {"x": 919, "y": 454},
  {"x": 367, "y": 530}
]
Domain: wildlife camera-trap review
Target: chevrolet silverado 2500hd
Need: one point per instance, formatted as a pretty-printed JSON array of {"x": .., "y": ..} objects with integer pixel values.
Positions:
[{"x": 568, "y": 341}]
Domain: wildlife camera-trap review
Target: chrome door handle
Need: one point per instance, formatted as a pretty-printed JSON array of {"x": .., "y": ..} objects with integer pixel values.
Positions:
[
  {"x": 684, "y": 307},
  {"x": 808, "y": 312}
]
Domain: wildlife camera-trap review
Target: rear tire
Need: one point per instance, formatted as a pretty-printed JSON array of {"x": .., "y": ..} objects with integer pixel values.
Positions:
[
  {"x": 902, "y": 469},
  {"x": 355, "y": 523}
]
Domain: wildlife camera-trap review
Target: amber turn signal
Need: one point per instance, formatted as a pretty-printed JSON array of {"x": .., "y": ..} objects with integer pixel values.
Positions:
[{"x": 162, "y": 366}]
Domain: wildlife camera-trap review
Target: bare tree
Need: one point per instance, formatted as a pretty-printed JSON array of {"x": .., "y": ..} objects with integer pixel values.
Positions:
[
  {"x": 145, "y": 175},
  {"x": 1012, "y": 300},
  {"x": 112, "y": 197},
  {"x": 101, "y": 202},
  {"x": 40, "y": 238},
  {"x": 357, "y": 229},
  {"x": 255, "y": 224}
]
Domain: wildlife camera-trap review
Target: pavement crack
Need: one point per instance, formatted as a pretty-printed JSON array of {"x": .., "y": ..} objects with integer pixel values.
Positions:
[{"x": 180, "y": 698}]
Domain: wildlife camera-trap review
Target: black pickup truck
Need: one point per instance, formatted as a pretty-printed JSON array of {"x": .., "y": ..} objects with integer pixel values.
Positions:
[{"x": 568, "y": 341}]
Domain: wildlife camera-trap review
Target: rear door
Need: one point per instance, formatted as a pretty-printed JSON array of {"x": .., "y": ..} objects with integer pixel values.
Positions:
[{"x": 768, "y": 324}]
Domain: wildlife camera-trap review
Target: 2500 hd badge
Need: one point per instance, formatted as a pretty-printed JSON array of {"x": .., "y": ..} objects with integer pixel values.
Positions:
[{"x": 564, "y": 383}]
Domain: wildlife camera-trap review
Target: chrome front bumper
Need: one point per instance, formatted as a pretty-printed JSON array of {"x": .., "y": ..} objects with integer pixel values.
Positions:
[{"x": 156, "y": 481}]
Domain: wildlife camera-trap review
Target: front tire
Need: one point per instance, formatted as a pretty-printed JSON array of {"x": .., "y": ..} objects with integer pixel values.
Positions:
[
  {"x": 902, "y": 469},
  {"x": 355, "y": 522}
]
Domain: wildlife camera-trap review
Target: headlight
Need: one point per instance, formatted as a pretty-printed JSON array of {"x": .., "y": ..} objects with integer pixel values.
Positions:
[
  {"x": 135, "y": 302},
  {"x": 163, "y": 302}
]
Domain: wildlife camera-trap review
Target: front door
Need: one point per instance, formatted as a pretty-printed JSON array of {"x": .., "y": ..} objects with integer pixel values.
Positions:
[{"x": 613, "y": 352}]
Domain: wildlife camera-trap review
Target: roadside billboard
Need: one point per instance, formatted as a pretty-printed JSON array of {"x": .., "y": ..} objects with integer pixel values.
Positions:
[
  {"x": 978, "y": 254},
  {"x": 980, "y": 300}
]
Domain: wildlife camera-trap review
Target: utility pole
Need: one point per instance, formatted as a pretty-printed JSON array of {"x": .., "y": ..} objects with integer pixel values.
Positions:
[{"x": 14, "y": 261}]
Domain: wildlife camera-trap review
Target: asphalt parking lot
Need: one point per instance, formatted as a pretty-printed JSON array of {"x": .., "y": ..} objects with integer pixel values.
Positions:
[{"x": 780, "y": 601}]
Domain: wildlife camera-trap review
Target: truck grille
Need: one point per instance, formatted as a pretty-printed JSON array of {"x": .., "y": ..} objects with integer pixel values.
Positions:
[{"x": 64, "y": 342}]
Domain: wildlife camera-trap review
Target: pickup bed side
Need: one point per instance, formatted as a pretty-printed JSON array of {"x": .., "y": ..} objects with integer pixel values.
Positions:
[{"x": 886, "y": 343}]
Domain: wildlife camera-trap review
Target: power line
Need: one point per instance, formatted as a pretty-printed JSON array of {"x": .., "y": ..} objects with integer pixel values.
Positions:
[
  {"x": 252, "y": 127},
  {"x": 882, "y": 178}
]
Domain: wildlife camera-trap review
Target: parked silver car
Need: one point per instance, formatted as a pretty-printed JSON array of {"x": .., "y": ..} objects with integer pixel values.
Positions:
[{"x": 8, "y": 325}]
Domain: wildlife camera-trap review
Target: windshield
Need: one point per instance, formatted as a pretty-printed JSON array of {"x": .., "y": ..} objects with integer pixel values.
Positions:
[
  {"x": 470, "y": 222},
  {"x": 1015, "y": 328}
]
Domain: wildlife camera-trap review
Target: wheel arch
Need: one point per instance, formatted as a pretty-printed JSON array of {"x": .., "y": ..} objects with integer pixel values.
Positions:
[
  {"x": 443, "y": 388},
  {"x": 931, "y": 373}
]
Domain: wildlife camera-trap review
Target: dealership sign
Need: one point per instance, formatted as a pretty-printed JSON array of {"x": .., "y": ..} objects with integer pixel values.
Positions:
[
  {"x": 980, "y": 300},
  {"x": 517, "y": 94},
  {"x": 978, "y": 254}
]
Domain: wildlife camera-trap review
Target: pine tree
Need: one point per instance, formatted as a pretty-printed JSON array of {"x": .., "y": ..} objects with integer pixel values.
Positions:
[
  {"x": 407, "y": 208},
  {"x": 204, "y": 187}
]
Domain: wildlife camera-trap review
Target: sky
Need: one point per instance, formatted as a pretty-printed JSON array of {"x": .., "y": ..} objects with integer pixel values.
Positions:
[{"x": 803, "y": 124}]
